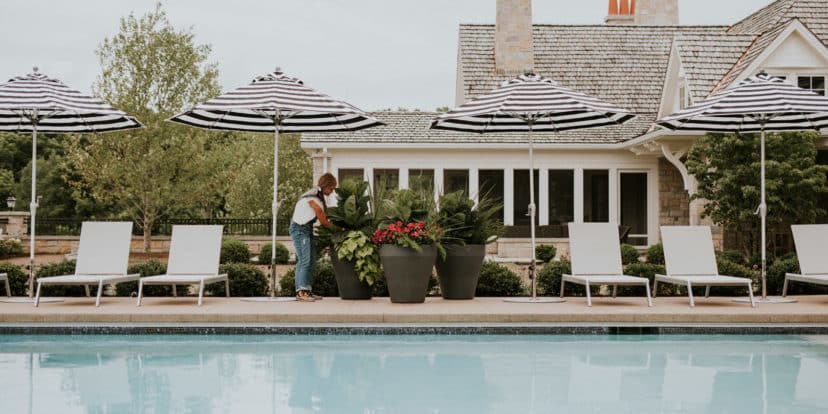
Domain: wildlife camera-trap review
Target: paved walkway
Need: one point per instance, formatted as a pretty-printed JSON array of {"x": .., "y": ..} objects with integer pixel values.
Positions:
[{"x": 627, "y": 310}]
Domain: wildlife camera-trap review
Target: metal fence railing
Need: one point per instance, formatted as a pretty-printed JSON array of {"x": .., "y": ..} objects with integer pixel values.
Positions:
[{"x": 236, "y": 227}]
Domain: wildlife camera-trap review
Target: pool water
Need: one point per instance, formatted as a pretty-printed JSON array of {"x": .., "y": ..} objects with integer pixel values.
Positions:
[{"x": 413, "y": 374}]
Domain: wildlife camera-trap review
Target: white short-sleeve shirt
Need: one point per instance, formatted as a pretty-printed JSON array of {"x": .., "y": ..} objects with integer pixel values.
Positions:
[{"x": 303, "y": 213}]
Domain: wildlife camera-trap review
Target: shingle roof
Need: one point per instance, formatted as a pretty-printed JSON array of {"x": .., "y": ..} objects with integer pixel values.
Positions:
[
  {"x": 413, "y": 128},
  {"x": 756, "y": 48},
  {"x": 706, "y": 58},
  {"x": 812, "y": 13}
]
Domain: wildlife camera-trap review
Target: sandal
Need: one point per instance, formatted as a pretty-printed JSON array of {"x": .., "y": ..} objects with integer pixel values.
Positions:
[
  {"x": 304, "y": 296},
  {"x": 315, "y": 296}
]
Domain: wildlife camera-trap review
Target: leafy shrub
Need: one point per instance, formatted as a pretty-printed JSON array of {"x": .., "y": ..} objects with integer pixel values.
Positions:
[
  {"x": 655, "y": 254},
  {"x": 733, "y": 256},
  {"x": 9, "y": 248},
  {"x": 545, "y": 252},
  {"x": 498, "y": 280},
  {"x": 728, "y": 268},
  {"x": 648, "y": 270},
  {"x": 324, "y": 282},
  {"x": 467, "y": 223},
  {"x": 776, "y": 279},
  {"x": 66, "y": 267},
  {"x": 282, "y": 254},
  {"x": 149, "y": 268},
  {"x": 549, "y": 279},
  {"x": 245, "y": 280},
  {"x": 234, "y": 251},
  {"x": 18, "y": 279},
  {"x": 629, "y": 254}
]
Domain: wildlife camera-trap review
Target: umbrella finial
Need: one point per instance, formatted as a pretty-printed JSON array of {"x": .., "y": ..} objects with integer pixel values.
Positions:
[
  {"x": 34, "y": 69},
  {"x": 278, "y": 70}
]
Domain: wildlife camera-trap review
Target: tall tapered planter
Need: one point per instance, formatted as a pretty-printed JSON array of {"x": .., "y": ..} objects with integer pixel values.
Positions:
[
  {"x": 347, "y": 281},
  {"x": 460, "y": 270},
  {"x": 407, "y": 272}
]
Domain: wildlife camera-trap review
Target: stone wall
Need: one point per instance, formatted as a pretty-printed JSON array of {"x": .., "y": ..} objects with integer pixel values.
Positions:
[
  {"x": 656, "y": 13},
  {"x": 673, "y": 200},
  {"x": 514, "y": 50}
]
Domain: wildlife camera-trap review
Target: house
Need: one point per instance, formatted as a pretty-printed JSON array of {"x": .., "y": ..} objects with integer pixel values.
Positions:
[{"x": 641, "y": 59}]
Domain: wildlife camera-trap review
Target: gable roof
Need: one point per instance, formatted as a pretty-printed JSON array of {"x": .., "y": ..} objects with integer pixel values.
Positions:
[
  {"x": 812, "y": 13},
  {"x": 707, "y": 58},
  {"x": 756, "y": 48}
]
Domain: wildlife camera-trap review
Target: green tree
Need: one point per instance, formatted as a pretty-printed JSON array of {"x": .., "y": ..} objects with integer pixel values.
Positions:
[
  {"x": 150, "y": 70},
  {"x": 727, "y": 167}
]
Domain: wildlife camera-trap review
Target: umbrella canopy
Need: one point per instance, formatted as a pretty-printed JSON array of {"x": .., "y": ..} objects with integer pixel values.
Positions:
[
  {"x": 530, "y": 103},
  {"x": 757, "y": 104},
  {"x": 37, "y": 103},
  {"x": 276, "y": 103}
]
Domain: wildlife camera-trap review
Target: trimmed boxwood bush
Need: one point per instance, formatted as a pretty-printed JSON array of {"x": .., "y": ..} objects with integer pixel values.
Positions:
[
  {"x": 776, "y": 279},
  {"x": 234, "y": 251},
  {"x": 498, "y": 280},
  {"x": 9, "y": 248},
  {"x": 655, "y": 254},
  {"x": 648, "y": 270},
  {"x": 282, "y": 254},
  {"x": 545, "y": 252},
  {"x": 18, "y": 279},
  {"x": 245, "y": 280},
  {"x": 549, "y": 280},
  {"x": 629, "y": 254},
  {"x": 733, "y": 256},
  {"x": 728, "y": 268},
  {"x": 324, "y": 282},
  {"x": 149, "y": 268},
  {"x": 66, "y": 267}
]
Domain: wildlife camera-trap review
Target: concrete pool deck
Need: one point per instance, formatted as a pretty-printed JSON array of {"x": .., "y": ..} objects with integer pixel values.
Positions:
[{"x": 631, "y": 311}]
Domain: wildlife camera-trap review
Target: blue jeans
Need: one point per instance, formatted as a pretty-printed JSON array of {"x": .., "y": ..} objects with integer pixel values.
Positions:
[{"x": 302, "y": 235}]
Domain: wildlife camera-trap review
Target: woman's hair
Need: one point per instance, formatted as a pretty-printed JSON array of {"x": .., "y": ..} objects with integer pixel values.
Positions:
[{"x": 327, "y": 180}]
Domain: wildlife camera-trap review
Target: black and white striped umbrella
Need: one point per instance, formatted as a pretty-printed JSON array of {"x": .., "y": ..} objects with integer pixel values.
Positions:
[
  {"x": 276, "y": 103},
  {"x": 531, "y": 103},
  {"x": 37, "y": 103},
  {"x": 757, "y": 104}
]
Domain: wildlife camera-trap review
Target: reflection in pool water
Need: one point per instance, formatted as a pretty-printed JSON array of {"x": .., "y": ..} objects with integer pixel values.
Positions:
[{"x": 413, "y": 374}]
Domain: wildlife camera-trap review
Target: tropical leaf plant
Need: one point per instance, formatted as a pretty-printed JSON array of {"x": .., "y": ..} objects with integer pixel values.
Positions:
[{"x": 465, "y": 223}]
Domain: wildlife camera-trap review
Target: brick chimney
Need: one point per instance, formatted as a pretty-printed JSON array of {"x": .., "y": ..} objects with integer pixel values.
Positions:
[
  {"x": 514, "y": 52},
  {"x": 657, "y": 13},
  {"x": 620, "y": 12}
]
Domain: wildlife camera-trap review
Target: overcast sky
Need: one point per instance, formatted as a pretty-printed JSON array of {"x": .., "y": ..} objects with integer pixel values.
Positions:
[{"x": 373, "y": 53}]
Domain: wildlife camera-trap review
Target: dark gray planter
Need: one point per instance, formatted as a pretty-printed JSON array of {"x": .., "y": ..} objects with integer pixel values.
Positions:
[
  {"x": 350, "y": 287},
  {"x": 459, "y": 272},
  {"x": 407, "y": 272}
]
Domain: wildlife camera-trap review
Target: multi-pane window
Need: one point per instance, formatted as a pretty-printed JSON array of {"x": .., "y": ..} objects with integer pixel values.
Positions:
[
  {"x": 356, "y": 174},
  {"x": 421, "y": 181},
  {"x": 455, "y": 180},
  {"x": 561, "y": 197},
  {"x": 490, "y": 185},
  {"x": 814, "y": 83},
  {"x": 596, "y": 196},
  {"x": 520, "y": 204},
  {"x": 385, "y": 182}
]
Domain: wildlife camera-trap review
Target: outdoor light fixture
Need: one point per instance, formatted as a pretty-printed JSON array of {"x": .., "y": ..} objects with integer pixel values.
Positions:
[{"x": 10, "y": 201}]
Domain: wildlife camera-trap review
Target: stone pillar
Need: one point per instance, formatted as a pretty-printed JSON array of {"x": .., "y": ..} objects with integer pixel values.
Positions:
[
  {"x": 514, "y": 51},
  {"x": 656, "y": 13},
  {"x": 320, "y": 161},
  {"x": 673, "y": 200},
  {"x": 14, "y": 223}
]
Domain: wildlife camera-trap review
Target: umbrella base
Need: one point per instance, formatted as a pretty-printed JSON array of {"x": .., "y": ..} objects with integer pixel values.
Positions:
[
  {"x": 535, "y": 300},
  {"x": 766, "y": 300},
  {"x": 269, "y": 299},
  {"x": 30, "y": 300}
]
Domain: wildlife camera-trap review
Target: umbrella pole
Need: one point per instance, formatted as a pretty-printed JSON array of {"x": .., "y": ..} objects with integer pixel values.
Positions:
[
  {"x": 763, "y": 210},
  {"x": 275, "y": 206},
  {"x": 532, "y": 210},
  {"x": 33, "y": 207}
]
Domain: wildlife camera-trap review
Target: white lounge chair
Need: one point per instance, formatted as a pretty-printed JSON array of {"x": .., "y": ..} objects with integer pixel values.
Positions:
[
  {"x": 103, "y": 256},
  {"x": 5, "y": 277},
  {"x": 809, "y": 240},
  {"x": 596, "y": 259},
  {"x": 194, "y": 260},
  {"x": 691, "y": 261}
]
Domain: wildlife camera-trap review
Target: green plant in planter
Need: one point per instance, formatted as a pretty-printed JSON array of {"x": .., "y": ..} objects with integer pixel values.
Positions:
[
  {"x": 409, "y": 220},
  {"x": 463, "y": 223},
  {"x": 356, "y": 220},
  {"x": 545, "y": 252}
]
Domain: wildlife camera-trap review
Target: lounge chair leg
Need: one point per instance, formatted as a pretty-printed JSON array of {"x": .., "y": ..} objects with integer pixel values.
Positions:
[
  {"x": 562, "y": 286},
  {"x": 140, "y": 291},
  {"x": 227, "y": 288},
  {"x": 750, "y": 294},
  {"x": 614, "y": 291},
  {"x": 647, "y": 289},
  {"x": 86, "y": 290},
  {"x": 655, "y": 288},
  {"x": 37, "y": 294},
  {"x": 589, "y": 295},
  {"x": 200, "y": 291},
  {"x": 100, "y": 290},
  {"x": 707, "y": 291},
  {"x": 784, "y": 287},
  {"x": 175, "y": 293},
  {"x": 8, "y": 289},
  {"x": 690, "y": 294}
]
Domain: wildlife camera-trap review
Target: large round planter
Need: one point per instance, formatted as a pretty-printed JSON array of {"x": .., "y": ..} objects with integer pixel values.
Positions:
[
  {"x": 460, "y": 270},
  {"x": 350, "y": 287},
  {"x": 407, "y": 272}
]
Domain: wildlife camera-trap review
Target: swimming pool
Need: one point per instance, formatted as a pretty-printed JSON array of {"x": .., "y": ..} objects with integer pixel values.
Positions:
[{"x": 413, "y": 374}]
